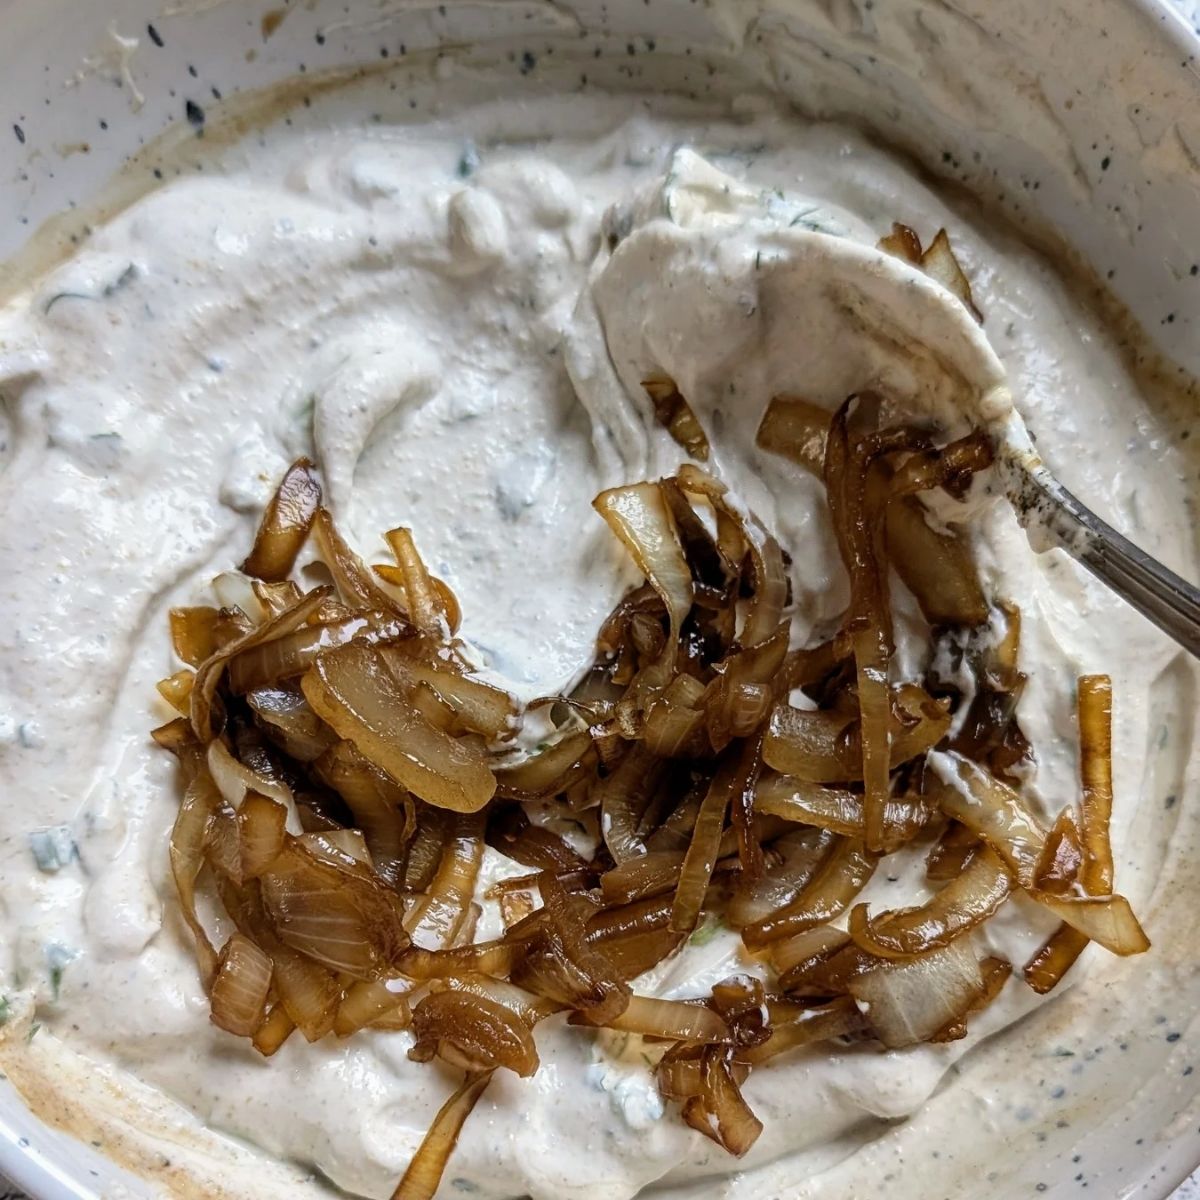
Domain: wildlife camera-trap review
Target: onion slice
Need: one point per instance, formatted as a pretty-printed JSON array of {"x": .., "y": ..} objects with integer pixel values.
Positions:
[
  {"x": 828, "y": 894},
  {"x": 285, "y": 524},
  {"x": 641, "y": 518},
  {"x": 910, "y": 1001},
  {"x": 962, "y": 905},
  {"x": 353, "y": 691},
  {"x": 335, "y": 912},
  {"x": 438, "y": 917},
  {"x": 675, "y": 415},
  {"x": 719, "y": 1111},
  {"x": 671, "y": 1019},
  {"x": 838, "y": 809},
  {"x": 424, "y": 1173},
  {"x": 473, "y": 1032},
  {"x": 735, "y": 774},
  {"x": 795, "y": 428},
  {"x": 370, "y": 1003},
  {"x": 239, "y": 991},
  {"x": 807, "y": 1026}
]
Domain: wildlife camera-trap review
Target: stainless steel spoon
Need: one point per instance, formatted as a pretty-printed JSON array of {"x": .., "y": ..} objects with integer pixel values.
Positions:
[{"x": 1157, "y": 593}]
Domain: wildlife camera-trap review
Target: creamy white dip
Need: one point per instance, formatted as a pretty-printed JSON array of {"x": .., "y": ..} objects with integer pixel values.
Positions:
[{"x": 452, "y": 318}]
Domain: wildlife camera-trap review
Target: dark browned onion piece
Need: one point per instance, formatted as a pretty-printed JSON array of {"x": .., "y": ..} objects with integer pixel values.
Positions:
[
  {"x": 670, "y": 1019},
  {"x": 473, "y": 1032},
  {"x": 718, "y": 1111},
  {"x": 675, "y": 415},
  {"x": 795, "y": 859},
  {"x": 735, "y": 774},
  {"x": 805, "y": 1027},
  {"x": 828, "y": 894},
  {"x": 909, "y": 1002},
  {"x": 285, "y": 524},
  {"x": 936, "y": 567},
  {"x": 869, "y": 619},
  {"x": 795, "y": 428},
  {"x": 958, "y": 908},
  {"x": 353, "y": 691},
  {"x": 239, "y": 990},
  {"x": 194, "y": 633},
  {"x": 424, "y": 1172},
  {"x": 623, "y": 798},
  {"x": 335, "y": 912}
]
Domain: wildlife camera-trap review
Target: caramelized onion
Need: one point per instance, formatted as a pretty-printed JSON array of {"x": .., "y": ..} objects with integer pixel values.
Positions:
[
  {"x": 902, "y": 242},
  {"x": 380, "y": 807},
  {"x": 796, "y": 858},
  {"x": 806, "y": 1027},
  {"x": 438, "y": 916},
  {"x": 308, "y": 992},
  {"x": 623, "y": 797},
  {"x": 354, "y": 583},
  {"x": 994, "y": 812},
  {"x": 188, "y": 836},
  {"x": 352, "y": 690},
  {"x": 959, "y": 907},
  {"x": 936, "y": 567},
  {"x": 639, "y": 516},
  {"x": 828, "y": 894},
  {"x": 795, "y": 428},
  {"x": 472, "y": 1032},
  {"x": 734, "y": 775},
  {"x": 940, "y": 264},
  {"x": 719, "y": 1111},
  {"x": 274, "y": 1031},
  {"x": 675, "y": 415},
  {"x": 207, "y": 712},
  {"x": 909, "y": 1002},
  {"x": 838, "y": 810},
  {"x": 285, "y": 524},
  {"x": 670, "y": 1019},
  {"x": 261, "y": 825},
  {"x": 343, "y": 764},
  {"x": 370, "y": 1003},
  {"x": 424, "y": 600},
  {"x": 287, "y": 719},
  {"x": 194, "y": 633},
  {"x": 239, "y": 990},
  {"x": 424, "y": 1172},
  {"x": 551, "y": 770},
  {"x": 340, "y": 915}
]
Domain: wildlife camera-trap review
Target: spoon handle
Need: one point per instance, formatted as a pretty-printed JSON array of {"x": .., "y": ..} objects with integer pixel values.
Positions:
[{"x": 1157, "y": 593}]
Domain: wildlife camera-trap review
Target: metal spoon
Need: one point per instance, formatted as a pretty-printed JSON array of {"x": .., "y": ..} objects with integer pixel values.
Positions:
[{"x": 1042, "y": 503}]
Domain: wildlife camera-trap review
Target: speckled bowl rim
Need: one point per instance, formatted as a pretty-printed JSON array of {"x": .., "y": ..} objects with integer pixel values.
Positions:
[{"x": 30, "y": 1168}]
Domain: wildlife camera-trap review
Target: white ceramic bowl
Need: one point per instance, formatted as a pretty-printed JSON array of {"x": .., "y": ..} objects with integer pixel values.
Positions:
[{"x": 1078, "y": 118}]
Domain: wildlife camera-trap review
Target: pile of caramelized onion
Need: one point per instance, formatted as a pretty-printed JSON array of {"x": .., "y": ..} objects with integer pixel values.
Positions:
[{"x": 345, "y": 769}]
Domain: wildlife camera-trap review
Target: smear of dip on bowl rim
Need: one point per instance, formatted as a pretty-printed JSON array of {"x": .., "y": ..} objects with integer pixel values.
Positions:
[{"x": 451, "y": 310}]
